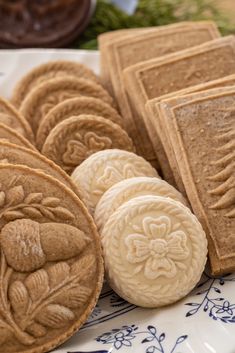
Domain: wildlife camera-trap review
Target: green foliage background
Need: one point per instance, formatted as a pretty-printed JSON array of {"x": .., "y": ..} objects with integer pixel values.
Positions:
[{"x": 107, "y": 17}]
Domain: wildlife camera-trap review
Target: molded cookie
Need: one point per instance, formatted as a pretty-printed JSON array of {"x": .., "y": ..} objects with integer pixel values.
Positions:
[
  {"x": 51, "y": 264},
  {"x": 44, "y": 72},
  {"x": 75, "y": 139},
  {"x": 52, "y": 92},
  {"x": 75, "y": 107},
  {"x": 12, "y": 118},
  {"x": 10, "y": 135},
  {"x": 14, "y": 154},
  {"x": 154, "y": 249},
  {"x": 126, "y": 190},
  {"x": 104, "y": 169}
]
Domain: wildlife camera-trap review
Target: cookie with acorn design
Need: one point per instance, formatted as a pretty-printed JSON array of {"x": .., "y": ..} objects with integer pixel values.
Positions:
[
  {"x": 47, "y": 71},
  {"x": 48, "y": 94},
  {"x": 75, "y": 107},
  {"x": 155, "y": 251},
  {"x": 127, "y": 189},
  {"x": 13, "y": 154},
  {"x": 51, "y": 268},
  {"x": 10, "y": 135},
  {"x": 103, "y": 169},
  {"x": 75, "y": 139},
  {"x": 12, "y": 118}
]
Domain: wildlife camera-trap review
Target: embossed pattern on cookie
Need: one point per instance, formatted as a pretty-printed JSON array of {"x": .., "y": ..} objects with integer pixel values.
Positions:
[
  {"x": 104, "y": 169},
  {"x": 51, "y": 268},
  {"x": 155, "y": 251},
  {"x": 75, "y": 139},
  {"x": 10, "y": 135},
  {"x": 126, "y": 190},
  {"x": 45, "y": 72},
  {"x": 74, "y": 107},
  {"x": 52, "y": 92}
]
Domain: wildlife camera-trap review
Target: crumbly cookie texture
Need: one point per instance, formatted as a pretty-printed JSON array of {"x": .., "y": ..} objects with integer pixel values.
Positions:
[
  {"x": 51, "y": 268},
  {"x": 126, "y": 190},
  {"x": 155, "y": 251},
  {"x": 104, "y": 169}
]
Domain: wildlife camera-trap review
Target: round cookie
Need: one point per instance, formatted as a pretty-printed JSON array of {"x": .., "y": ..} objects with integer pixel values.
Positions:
[
  {"x": 126, "y": 190},
  {"x": 10, "y": 135},
  {"x": 12, "y": 118},
  {"x": 103, "y": 169},
  {"x": 45, "y": 72},
  {"x": 50, "y": 263},
  {"x": 155, "y": 251},
  {"x": 75, "y": 107},
  {"x": 13, "y": 154},
  {"x": 52, "y": 92},
  {"x": 75, "y": 139}
]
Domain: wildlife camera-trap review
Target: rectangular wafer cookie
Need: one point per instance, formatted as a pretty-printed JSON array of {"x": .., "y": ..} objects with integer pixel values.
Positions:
[
  {"x": 157, "y": 118},
  {"x": 202, "y": 132}
]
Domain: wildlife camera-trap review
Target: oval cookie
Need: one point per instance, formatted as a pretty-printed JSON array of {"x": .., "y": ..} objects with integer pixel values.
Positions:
[
  {"x": 75, "y": 139},
  {"x": 52, "y": 92},
  {"x": 126, "y": 190},
  {"x": 10, "y": 135},
  {"x": 13, "y": 154},
  {"x": 12, "y": 118},
  {"x": 50, "y": 263},
  {"x": 104, "y": 169},
  {"x": 75, "y": 107},
  {"x": 45, "y": 72},
  {"x": 155, "y": 251}
]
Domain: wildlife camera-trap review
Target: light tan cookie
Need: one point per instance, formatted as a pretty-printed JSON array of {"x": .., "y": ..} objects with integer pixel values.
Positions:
[
  {"x": 46, "y": 72},
  {"x": 155, "y": 251},
  {"x": 15, "y": 154},
  {"x": 52, "y": 92},
  {"x": 12, "y": 118},
  {"x": 76, "y": 138},
  {"x": 104, "y": 169},
  {"x": 50, "y": 263},
  {"x": 10, "y": 135},
  {"x": 126, "y": 190},
  {"x": 75, "y": 107}
]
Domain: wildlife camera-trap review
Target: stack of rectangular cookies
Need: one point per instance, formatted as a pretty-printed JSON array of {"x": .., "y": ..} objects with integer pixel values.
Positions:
[{"x": 175, "y": 87}]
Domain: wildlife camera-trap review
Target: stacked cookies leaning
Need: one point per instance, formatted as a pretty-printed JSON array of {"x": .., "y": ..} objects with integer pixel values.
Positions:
[{"x": 175, "y": 86}]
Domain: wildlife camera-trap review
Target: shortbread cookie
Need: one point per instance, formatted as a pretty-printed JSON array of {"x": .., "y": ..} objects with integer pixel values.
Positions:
[
  {"x": 160, "y": 76},
  {"x": 126, "y": 190},
  {"x": 51, "y": 261},
  {"x": 75, "y": 139},
  {"x": 15, "y": 154},
  {"x": 11, "y": 117},
  {"x": 128, "y": 51},
  {"x": 104, "y": 169},
  {"x": 52, "y": 92},
  {"x": 46, "y": 72},
  {"x": 154, "y": 249},
  {"x": 206, "y": 163},
  {"x": 10, "y": 135},
  {"x": 75, "y": 107}
]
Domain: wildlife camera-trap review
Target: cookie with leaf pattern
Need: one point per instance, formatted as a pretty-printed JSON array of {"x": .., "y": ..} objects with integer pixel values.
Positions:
[
  {"x": 10, "y": 135},
  {"x": 51, "y": 268},
  {"x": 47, "y": 71},
  {"x": 75, "y": 139},
  {"x": 75, "y": 107},
  {"x": 48, "y": 94},
  {"x": 12, "y": 118}
]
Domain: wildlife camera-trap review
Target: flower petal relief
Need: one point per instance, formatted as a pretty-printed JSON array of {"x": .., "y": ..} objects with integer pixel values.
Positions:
[{"x": 156, "y": 249}]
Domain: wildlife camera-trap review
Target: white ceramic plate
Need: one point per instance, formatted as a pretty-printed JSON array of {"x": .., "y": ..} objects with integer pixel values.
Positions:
[{"x": 204, "y": 322}]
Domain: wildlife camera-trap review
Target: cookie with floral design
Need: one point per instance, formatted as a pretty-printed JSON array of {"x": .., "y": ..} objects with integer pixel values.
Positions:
[
  {"x": 155, "y": 251},
  {"x": 75, "y": 139},
  {"x": 51, "y": 268},
  {"x": 127, "y": 189},
  {"x": 102, "y": 170},
  {"x": 10, "y": 135}
]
